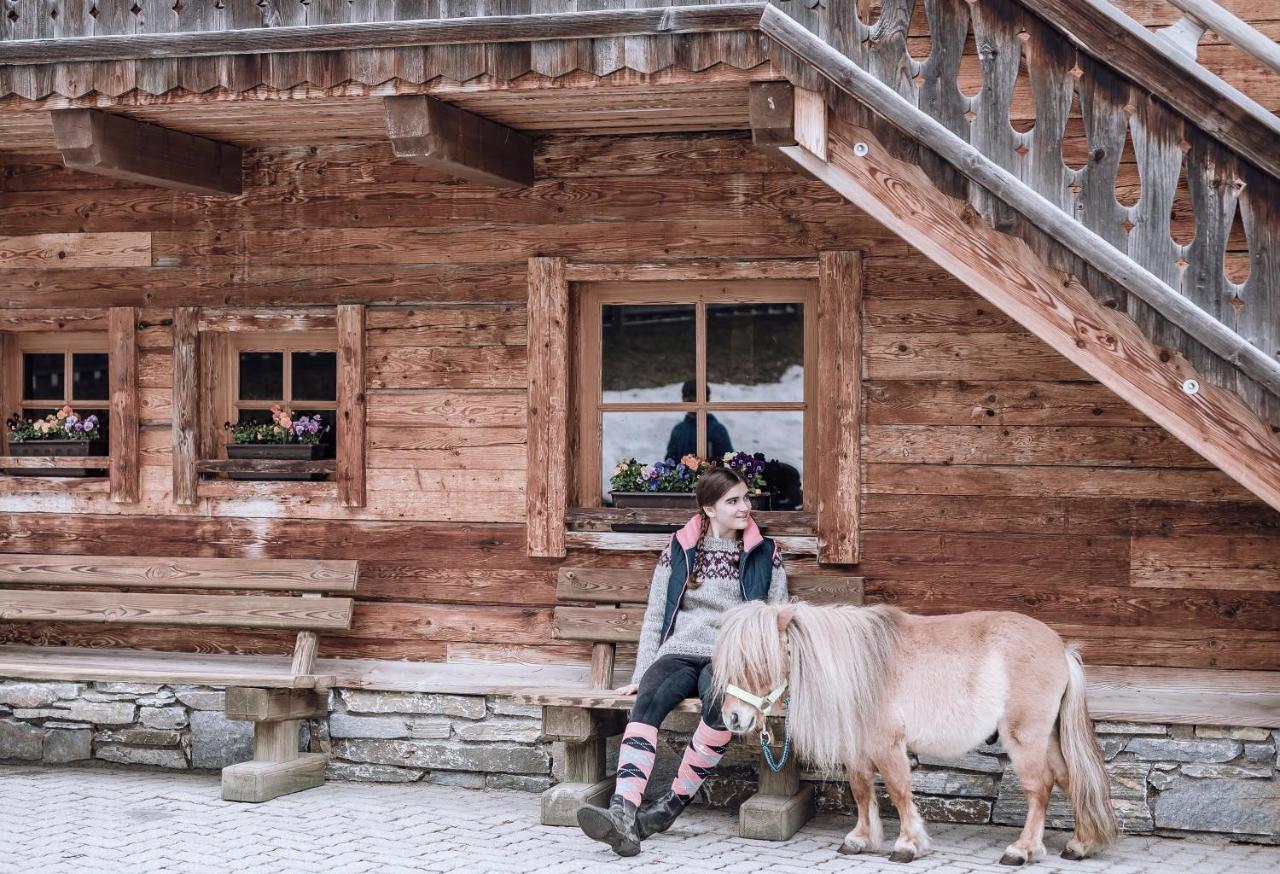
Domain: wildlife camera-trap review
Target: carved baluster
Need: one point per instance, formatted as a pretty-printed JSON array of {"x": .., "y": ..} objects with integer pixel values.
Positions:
[
  {"x": 1050, "y": 60},
  {"x": 996, "y": 25},
  {"x": 1257, "y": 314},
  {"x": 1157, "y": 135},
  {"x": 939, "y": 94}
]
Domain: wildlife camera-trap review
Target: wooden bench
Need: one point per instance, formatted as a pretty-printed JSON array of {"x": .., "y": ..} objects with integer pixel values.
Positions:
[
  {"x": 273, "y": 696},
  {"x": 585, "y": 718}
]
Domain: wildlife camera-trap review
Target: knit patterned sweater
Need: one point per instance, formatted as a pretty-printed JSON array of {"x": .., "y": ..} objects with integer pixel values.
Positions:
[{"x": 698, "y": 618}]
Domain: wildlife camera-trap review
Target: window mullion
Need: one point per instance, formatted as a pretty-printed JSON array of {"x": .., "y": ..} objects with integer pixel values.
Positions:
[{"x": 700, "y": 376}]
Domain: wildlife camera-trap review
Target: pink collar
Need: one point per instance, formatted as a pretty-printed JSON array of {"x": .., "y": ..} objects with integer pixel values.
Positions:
[{"x": 687, "y": 536}]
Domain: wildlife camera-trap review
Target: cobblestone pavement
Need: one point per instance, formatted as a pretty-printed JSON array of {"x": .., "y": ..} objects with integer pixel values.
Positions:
[{"x": 107, "y": 820}]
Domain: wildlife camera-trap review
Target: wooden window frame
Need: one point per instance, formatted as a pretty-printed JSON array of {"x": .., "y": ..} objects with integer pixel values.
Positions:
[
  {"x": 555, "y": 437},
  {"x": 589, "y": 300},
  {"x": 206, "y": 381},
  {"x": 112, "y": 331}
]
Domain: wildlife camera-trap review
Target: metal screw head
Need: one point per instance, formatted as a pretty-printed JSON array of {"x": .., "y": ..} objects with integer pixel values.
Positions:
[
  {"x": 1190, "y": 386},
  {"x": 861, "y": 149}
]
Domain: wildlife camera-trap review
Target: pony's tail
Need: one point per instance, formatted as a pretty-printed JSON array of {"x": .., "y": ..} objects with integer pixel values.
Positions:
[{"x": 1090, "y": 790}]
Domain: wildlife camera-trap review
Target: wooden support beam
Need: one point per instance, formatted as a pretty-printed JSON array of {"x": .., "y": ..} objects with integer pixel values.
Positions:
[
  {"x": 186, "y": 400},
  {"x": 548, "y": 436},
  {"x": 840, "y": 405},
  {"x": 771, "y": 107},
  {"x": 123, "y": 355},
  {"x": 114, "y": 145},
  {"x": 1054, "y": 306},
  {"x": 460, "y": 143},
  {"x": 351, "y": 405}
]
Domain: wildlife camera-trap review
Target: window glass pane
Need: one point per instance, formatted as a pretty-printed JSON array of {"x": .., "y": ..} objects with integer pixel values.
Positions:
[
  {"x": 642, "y": 436},
  {"x": 780, "y": 437},
  {"x": 648, "y": 352},
  {"x": 42, "y": 376},
  {"x": 89, "y": 376},
  {"x": 315, "y": 376},
  {"x": 755, "y": 352},
  {"x": 261, "y": 376}
]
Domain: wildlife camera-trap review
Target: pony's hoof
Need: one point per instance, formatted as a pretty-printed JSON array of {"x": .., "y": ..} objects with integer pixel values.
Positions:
[
  {"x": 852, "y": 847},
  {"x": 1072, "y": 854},
  {"x": 902, "y": 856},
  {"x": 1013, "y": 859}
]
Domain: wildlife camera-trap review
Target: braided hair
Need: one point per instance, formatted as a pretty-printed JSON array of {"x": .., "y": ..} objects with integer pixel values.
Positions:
[{"x": 711, "y": 487}]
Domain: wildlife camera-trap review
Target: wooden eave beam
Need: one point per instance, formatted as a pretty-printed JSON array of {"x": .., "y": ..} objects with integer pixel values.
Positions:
[
  {"x": 387, "y": 34},
  {"x": 452, "y": 140},
  {"x": 1061, "y": 226},
  {"x": 771, "y": 108},
  {"x": 1052, "y": 305},
  {"x": 108, "y": 144}
]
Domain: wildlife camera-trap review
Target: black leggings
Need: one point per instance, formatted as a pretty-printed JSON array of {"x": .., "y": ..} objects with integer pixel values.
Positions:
[{"x": 670, "y": 680}]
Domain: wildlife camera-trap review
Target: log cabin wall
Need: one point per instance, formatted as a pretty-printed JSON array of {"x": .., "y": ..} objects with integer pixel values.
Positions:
[{"x": 996, "y": 475}]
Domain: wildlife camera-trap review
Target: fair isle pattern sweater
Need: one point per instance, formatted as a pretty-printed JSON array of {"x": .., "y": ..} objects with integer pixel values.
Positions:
[{"x": 698, "y": 619}]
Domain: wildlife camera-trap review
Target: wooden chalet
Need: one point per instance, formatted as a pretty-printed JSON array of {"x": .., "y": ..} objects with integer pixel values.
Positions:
[{"x": 1011, "y": 268}]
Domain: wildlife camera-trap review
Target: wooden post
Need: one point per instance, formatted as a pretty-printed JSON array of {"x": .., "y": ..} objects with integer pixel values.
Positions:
[
  {"x": 584, "y": 734},
  {"x": 123, "y": 356},
  {"x": 351, "y": 405},
  {"x": 8, "y": 401},
  {"x": 782, "y": 805},
  {"x": 186, "y": 403},
  {"x": 772, "y": 110},
  {"x": 278, "y": 766},
  {"x": 548, "y": 440},
  {"x": 458, "y": 142},
  {"x": 839, "y": 422}
]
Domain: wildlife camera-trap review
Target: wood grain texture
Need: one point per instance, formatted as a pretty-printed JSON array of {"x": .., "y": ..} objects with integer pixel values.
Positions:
[
  {"x": 72, "y": 251},
  {"x": 839, "y": 414},
  {"x": 122, "y": 337},
  {"x": 547, "y": 490},
  {"x": 186, "y": 419},
  {"x": 179, "y": 572},
  {"x": 351, "y": 413},
  {"x": 17, "y": 605},
  {"x": 458, "y": 143}
]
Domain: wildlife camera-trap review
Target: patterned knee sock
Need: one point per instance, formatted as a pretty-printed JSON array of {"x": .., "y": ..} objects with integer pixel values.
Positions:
[
  {"x": 700, "y": 759},
  {"x": 635, "y": 760}
]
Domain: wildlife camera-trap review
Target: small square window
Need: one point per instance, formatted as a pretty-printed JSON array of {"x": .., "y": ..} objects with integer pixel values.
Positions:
[
  {"x": 261, "y": 376},
  {"x": 44, "y": 376},
  {"x": 89, "y": 380},
  {"x": 315, "y": 376}
]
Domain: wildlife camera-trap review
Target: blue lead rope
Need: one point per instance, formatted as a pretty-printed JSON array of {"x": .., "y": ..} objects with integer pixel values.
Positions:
[{"x": 786, "y": 744}]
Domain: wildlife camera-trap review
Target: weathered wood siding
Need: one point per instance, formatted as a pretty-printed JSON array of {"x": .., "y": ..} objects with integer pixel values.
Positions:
[{"x": 997, "y": 475}]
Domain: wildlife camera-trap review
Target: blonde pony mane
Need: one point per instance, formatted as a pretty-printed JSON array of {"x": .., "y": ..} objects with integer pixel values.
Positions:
[{"x": 841, "y": 657}]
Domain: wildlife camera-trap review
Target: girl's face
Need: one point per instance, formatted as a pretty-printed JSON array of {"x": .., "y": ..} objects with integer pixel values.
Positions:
[{"x": 733, "y": 511}]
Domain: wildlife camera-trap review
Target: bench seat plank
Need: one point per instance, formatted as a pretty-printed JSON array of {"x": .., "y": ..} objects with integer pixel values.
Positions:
[
  {"x": 87, "y": 664},
  {"x": 273, "y": 574},
  {"x": 1192, "y": 697},
  {"x": 247, "y": 611},
  {"x": 631, "y": 586}
]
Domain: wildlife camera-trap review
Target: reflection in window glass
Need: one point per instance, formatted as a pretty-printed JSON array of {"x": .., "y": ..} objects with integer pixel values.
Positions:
[
  {"x": 647, "y": 352},
  {"x": 261, "y": 376},
  {"x": 755, "y": 352},
  {"x": 315, "y": 376},
  {"x": 780, "y": 436},
  {"x": 42, "y": 376},
  {"x": 643, "y": 436},
  {"x": 89, "y": 376}
]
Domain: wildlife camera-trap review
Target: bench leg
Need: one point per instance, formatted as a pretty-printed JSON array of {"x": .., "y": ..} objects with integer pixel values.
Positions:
[
  {"x": 278, "y": 766},
  {"x": 780, "y": 807},
  {"x": 584, "y": 783}
]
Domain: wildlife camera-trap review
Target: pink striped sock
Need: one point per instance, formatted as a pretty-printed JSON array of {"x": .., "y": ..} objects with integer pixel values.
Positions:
[
  {"x": 700, "y": 759},
  {"x": 635, "y": 760}
]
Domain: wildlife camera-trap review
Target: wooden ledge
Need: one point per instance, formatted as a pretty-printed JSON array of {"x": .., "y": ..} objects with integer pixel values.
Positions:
[{"x": 87, "y": 664}]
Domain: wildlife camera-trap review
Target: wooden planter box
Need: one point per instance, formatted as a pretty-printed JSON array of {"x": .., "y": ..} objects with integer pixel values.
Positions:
[
  {"x": 57, "y": 449},
  {"x": 676, "y": 500},
  {"x": 278, "y": 452}
]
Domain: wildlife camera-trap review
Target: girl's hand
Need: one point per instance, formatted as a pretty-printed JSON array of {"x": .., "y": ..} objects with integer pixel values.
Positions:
[{"x": 629, "y": 689}]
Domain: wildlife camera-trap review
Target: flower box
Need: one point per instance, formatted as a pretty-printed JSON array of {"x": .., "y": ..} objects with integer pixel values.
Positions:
[
  {"x": 57, "y": 449},
  {"x": 278, "y": 452},
  {"x": 677, "y": 500}
]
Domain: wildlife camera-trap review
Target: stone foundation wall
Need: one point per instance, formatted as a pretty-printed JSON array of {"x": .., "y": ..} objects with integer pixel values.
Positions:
[{"x": 1169, "y": 779}]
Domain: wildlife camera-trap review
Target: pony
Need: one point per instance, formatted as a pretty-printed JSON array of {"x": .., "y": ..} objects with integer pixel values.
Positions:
[{"x": 867, "y": 685}]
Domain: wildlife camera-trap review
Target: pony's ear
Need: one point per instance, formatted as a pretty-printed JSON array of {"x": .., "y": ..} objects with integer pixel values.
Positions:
[{"x": 786, "y": 613}]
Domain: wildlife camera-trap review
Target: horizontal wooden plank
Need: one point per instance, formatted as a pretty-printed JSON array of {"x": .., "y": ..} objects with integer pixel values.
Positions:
[
  {"x": 967, "y": 356},
  {"x": 29, "y": 462},
  {"x": 600, "y": 624},
  {"x": 1207, "y": 562},
  {"x": 442, "y": 408},
  {"x": 928, "y": 314},
  {"x": 790, "y": 544},
  {"x": 316, "y": 614},
  {"x": 263, "y": 465},
  {"x": 70, "y": 251},
  {"x": 85, "y": 664},
  {"x": 303, "y": 575},
  {"x": 604, "y": 518},
  {"x": 1039, "y": 445},
  {"x": 446, "y": 326},
  {"x": 451, "y": 367},
  {"x": 997, "y": 402},
  {"x": 617, "y": 585},
  {"x": 1224, "y": 648},
  {"x": 1050, "y": 481}
]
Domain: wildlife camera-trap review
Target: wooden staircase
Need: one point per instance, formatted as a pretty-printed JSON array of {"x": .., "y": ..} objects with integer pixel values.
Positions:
[{"x": 1170, "y": 297}]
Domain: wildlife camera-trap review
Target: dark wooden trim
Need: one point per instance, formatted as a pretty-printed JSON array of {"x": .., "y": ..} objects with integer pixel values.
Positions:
[
  {"x": 124, "y": 438},
  {"x": 452, "y": 140},
  {"x": 109, "y": 144},
  {"x": 351, "y": 416},
  {"x": 264, "y": 465},
  {"x": 387, "y": 34},
  {"x": 186, "y": 403},
  {"x": 1062, "y": 226}
]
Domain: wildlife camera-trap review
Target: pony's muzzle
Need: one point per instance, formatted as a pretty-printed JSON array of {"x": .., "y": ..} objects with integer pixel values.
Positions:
[{"x": 739, "y": 722}]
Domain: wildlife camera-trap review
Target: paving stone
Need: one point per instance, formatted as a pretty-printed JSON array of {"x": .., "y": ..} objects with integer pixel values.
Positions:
[
  {"x": 68, "y": 745},
  {"x": 23, "y": 693},
  {"x": 507, "y": 759},
  {"x": 1175, "y": 750},
  {"x": 165, "y": 758},
  {"x": 429, "y": 704},
  {"x": 20, "y": 740},
  {"x": 217, "y": 741},
  {"x": 163, "y": 717},
  {"x": 1249, "y": 807}
]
